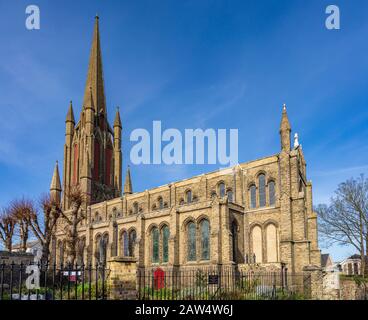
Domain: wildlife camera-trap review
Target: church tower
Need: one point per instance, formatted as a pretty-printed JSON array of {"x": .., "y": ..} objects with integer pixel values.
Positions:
[{"x": 92, "y": 151}]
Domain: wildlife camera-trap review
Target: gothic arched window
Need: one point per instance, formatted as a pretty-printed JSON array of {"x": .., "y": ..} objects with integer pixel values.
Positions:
[
  {"x": 191, "y": 236},
  {"x": 205, "y": 239},
  {"x": 189, "y": 196},
  {"x": 165, "y": 243},
  {"x": 135, "y": 207},
  {"x": 103, "y": 249},
  {"x": 230, "y": 196},
  {"x": 132, "y": 237},
  {"x": 125, "y": 244},
  {"x": 221, "y": 187},
  {"x": 160, "y": 203},
  {"x": 253, "y": 197},
  {"x": 155, "y": 245},
  {"x": 262, "y": 190},
  {"x": 271, "y": 192}
]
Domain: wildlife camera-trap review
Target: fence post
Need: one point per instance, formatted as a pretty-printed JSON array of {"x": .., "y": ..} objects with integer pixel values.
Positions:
[
  {"x": 315, "y": 274},
  {"x": 122, "y": 280}
]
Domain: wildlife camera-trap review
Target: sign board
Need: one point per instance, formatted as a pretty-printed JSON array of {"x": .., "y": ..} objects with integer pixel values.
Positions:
[
  {"x": 72, "y": 275},
  {"x": 213, "y": 279}
]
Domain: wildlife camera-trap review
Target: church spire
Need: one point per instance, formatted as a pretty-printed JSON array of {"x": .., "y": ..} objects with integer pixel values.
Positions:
[
  {"x": 117, "y": 121},
  {"x": 285, "y": 124},
  {"x": 70, "y": 114},
  {"x": 128, "y": 183},
  {"x": 94, "y": 89},
  {"x": 285, "y": 130},
  {"x": 55, "y": 187}
]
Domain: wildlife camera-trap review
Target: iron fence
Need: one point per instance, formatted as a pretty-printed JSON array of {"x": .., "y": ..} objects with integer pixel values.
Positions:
[
  {"x": 220, "y": 284},
  {"x": 53, "y": 282}
]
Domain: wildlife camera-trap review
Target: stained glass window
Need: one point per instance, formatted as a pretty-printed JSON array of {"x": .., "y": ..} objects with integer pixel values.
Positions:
[
  {"x": 222, "y": 189},
  {"x": 230, "y": 195},
  {"x": 191, "y": 241},
  {"x": 103, "y": 249},
  {"x": 165, "y": 243},
  {"x": 125, "y": 244},
  {"x": 115, "y": 239},
  {"x": 271, "y": 190},
  {"x": 205, "y": 240},
  {"x": 253, "y": 200},
  {"x": 155, "y": 245},
  {"x": 132, "y": 237},
  {"x": 262, "y": 190}
]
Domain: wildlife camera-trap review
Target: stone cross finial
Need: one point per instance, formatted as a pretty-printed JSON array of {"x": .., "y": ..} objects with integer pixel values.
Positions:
[{"x": 296, "y": 141}]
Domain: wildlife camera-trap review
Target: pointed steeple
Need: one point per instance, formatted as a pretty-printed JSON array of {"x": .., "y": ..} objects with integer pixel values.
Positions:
[
  {"x": 285, "y": 124},
  {"x": 128, "y": 183},
  {"x": 285, "y": 130},
  {"x": 95, "y": 75},
  {"x": 70, "y": 114},
  {"x": 117, "y": 121},
  {"x": 55, "y": 182}
]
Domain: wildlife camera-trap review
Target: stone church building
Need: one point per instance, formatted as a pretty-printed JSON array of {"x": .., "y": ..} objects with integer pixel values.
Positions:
[{"x": 255, "y": 214}]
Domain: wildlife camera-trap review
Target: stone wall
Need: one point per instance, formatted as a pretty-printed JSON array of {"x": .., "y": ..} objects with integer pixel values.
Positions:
[
  {"x": 122, "y": 280},
  {"x": 350, "y": 290},
  {"x": 331, "y": 285}
]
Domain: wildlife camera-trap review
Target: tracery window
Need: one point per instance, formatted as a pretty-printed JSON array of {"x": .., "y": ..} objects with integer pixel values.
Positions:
[
  {"x": 205, "y": 239},
  {"x": 271, "y": 192},
  {"x": 165, "y": 243},
  {"x": 125, "y": 244},
  {"x": 132, "y": 237},
  {"x": 253, "y": 197},
  {"x": 222, "y": 189},
  {"x": 262, "y": 190},
  {"x": 191, "y": 236},
  {"x": 230, "y": 195},
  {"x": 155, "y": 245}
]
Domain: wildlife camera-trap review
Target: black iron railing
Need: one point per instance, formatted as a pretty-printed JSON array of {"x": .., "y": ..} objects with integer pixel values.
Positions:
[
  {"x": 222, "y": 284},
  {"x": 53, "y": 282}
]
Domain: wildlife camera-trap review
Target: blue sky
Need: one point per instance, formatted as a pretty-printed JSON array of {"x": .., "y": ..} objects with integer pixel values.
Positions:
[{"x": 205, "y": 64}]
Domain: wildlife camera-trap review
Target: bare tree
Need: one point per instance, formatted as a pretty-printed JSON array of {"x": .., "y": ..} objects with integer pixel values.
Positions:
[
  {"x": 7, "y": 228},
  {"x": 345, "y": 220},
  {"x": 21, "y": 210},
  {"x": 73, "y": 219},
  {"x": 51, "y": 212}
]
